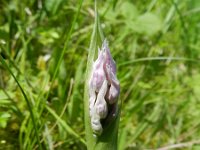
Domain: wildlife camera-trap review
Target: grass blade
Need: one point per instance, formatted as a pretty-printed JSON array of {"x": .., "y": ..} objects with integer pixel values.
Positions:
[
  {"x": 65, "y": 126},
  {"x": 26, "y": 99}
]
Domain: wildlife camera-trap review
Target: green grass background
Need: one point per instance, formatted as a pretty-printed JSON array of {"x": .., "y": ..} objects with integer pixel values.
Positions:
[{"x": 43, "y": 51}]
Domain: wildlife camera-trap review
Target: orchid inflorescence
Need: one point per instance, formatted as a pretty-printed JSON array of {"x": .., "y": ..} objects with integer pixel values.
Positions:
[{"x": 104, "y": 89}]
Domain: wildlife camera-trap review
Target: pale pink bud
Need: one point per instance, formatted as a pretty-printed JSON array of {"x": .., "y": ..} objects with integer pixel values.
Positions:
[
  {"x": 96, "y": 125},
  {"x": 98, "y": 74},
  {"x": 104, "y": 89},
  {"x": 110, "y": 71},
  {"x": 101, "y": 105},
  {"x": 108, "y": 58}
]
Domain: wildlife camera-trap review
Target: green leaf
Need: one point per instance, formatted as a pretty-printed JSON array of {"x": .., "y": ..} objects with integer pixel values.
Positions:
[
  {"x": 128, "y": 11},
  {"x": 65, "y": 125},
  {"x": 53, "y": 5},
  {"x": 74, "y": 104},
  {"x": 48, "y": 138},
  {"x": 48, "y": 36},
  {"x": 147, "y": 23},
  {"x": 4, "y": 117}
]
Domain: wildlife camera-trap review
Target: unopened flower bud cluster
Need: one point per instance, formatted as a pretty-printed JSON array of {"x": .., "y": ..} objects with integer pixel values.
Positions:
[{"x": 104, "y": 89}]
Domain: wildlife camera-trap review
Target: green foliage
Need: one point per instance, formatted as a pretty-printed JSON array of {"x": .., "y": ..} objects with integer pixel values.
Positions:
[
  {"x": 44, "y": 47},
  {"x": 4, "y": 117}
]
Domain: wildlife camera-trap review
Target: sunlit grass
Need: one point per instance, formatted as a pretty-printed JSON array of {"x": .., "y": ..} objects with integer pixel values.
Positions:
[{"x": 44, "y": 47}]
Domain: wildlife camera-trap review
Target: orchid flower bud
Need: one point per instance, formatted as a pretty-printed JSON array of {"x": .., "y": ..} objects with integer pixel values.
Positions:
[
  {"x": 108, "y": 58},
  {"x": 104, "y": 89},
  {"x": 96, "y": 125},
  {"x": 101, "y": 105},
  {"x": 110, "y": 71},
  {"x": 100, "y": 110},
  {"x": 98, "y": 74},
  {"x": 96, "y": 80}
]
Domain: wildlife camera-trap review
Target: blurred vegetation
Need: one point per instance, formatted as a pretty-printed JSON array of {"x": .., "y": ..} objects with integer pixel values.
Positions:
[{"x": 43, "y": 53}]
